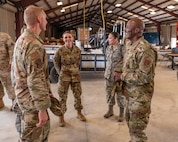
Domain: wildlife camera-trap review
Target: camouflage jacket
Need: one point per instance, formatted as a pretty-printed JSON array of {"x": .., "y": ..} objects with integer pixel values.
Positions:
[
  {"x": 6, "y": 50},
  {"x": 66, "y": 62},
  {"x": 114, "y": 57},
  {"x": 139, "y": 64},
  {"x": 31, "y": 73}
]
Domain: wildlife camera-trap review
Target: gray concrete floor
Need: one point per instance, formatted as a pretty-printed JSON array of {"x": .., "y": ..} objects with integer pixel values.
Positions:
[{"x": 163, "y": 125}]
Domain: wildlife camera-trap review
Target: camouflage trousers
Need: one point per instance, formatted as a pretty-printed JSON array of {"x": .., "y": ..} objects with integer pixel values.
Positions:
[
  {"x": 113, "y": 91},
  {"x": 18, "y": 123},
  {"x": 137, "y": 117},
  {"x": 5, "y": 79},
  {"x": 63, "y": 91},
  {"x": 29, "y": 131}
]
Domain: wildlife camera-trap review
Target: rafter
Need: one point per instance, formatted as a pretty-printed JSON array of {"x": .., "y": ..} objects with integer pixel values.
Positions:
[{"x": 162, "y": 9}]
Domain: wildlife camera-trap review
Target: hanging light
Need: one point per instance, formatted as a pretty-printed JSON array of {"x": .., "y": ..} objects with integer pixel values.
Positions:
[
  {"x": 109, "y": 11},
  {"x": 171, "y": 7},
  {"x": 59, "y": 3},
  {"x": 62, "y": 10},
  {"x": 152, "y": 12},
  {"x": 118, "y": 5}
]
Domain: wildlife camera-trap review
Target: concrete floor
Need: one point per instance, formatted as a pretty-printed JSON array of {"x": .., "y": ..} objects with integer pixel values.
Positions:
[{"x": 163, "y": 125}]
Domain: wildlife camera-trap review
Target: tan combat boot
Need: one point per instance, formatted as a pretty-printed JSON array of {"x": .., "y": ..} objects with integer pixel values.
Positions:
[
  {"x": 1, "y": 103},
  {"x": 62, "y": 123},
  {"x": 109, "y": 113},
  {"x": 81, "y": 116}
]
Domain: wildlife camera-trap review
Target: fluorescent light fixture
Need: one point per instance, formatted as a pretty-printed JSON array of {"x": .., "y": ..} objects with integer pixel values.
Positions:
[
  {"x": 118, "y": 5},
  {"x": 113, "y": 21},
  {"x": 144, "y": 7},
  {"x": 122, "y": 18},
  {"x": 152, "y": 12},
  {"x": 135, "y": 15},
  {"x": 109, "y": 23},
  {"x": 171, "y": 7},
  {"x": 109, "y": 11},
  {"x": 59, "y": 3},
  {"x": 62, "y": 10},
  {"x": 130, "y": 13},
  {"x": 69, "y": 6}
]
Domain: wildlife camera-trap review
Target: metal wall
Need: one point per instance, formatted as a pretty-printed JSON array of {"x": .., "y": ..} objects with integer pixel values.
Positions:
[{"x": 7, "y": 20}]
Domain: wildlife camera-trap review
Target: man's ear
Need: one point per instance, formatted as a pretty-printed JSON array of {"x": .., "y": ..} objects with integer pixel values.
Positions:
[
  {"x": 38, "y": 19},
  {"x": 137, "y": 30}
]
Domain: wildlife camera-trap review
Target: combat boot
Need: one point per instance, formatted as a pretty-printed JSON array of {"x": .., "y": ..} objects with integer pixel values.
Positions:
[
  {"x": 121, "y": 115},
  {"x": 109, "y": 113},
  {"x": 80, "y": 115},
  {"x": 62, "y": 123},
  {"x": 1, "y": 103}
]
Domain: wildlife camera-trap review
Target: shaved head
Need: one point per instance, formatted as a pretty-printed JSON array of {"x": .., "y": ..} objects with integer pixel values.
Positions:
[
  {"x": 134, "y": 29},
  {"x": 137, "y": 23}
]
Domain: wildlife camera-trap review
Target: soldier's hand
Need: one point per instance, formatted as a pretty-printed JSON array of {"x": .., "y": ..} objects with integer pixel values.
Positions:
[
  {"x": 117, "y": 76},
  {"x": 43, "y": 118},
  {"x": 9, "y": 68},
  {"x": 50, "y": 95}
]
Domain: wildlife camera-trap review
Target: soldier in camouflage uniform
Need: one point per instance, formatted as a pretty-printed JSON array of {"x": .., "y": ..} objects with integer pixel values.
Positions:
[
  {"x": 6, "y": 51},
  {"x": 114, "y": 57},
  {"x": 138, "y": 77},
  {"x": 66, "y": 62},
  {"x": 32, "y": 86}
]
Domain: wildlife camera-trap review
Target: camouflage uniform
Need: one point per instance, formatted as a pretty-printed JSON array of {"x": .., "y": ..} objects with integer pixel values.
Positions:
[
  {"x": 66, "y": 62},
  {"x": 6, "y": 51},
  {"x": 114, "y": 57},
  {"x": 138, "y": 76},
  {"x": 32, "y": 85}
]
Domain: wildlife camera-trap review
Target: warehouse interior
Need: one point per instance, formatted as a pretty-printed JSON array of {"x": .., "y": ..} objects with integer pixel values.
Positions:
[
  {"x": 162, "y": 125},
  {"x": 91, "y": 21}
]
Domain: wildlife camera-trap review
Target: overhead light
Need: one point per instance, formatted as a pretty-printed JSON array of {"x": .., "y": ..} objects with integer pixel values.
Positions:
[
  {"x": 118, "y": 5},
  {"x": 109, "y": 11},
  {"x": 176, "y": 0},
  {"x": 122, "y": 18},
  {"x": 130, "y": 13},
  {"x": 144, "y": 7},
  {"x": 109, "y": 23},
  {"x": 152, "y": 12},
  {"x": 135, "y": 15},
  {"x": 113, "y": 21},
  {"x": 59, "y": 3},
  {"x": 62, "y": 10},
  {"x": 69, "y": 6},
  {"x": 90, "y": 28},
  {"x": 171, "y": 7}
]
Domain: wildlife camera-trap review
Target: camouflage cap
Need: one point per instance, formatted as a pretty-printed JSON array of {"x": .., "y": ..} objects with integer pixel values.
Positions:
[{"x": 55, "y": 106}]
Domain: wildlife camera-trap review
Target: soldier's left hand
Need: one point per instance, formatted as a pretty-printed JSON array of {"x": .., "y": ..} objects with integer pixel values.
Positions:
[{"x": 117, "y": 76}]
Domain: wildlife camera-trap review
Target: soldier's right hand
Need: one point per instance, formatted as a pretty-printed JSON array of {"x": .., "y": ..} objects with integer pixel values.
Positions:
[{"x": 43, "y": 118}]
